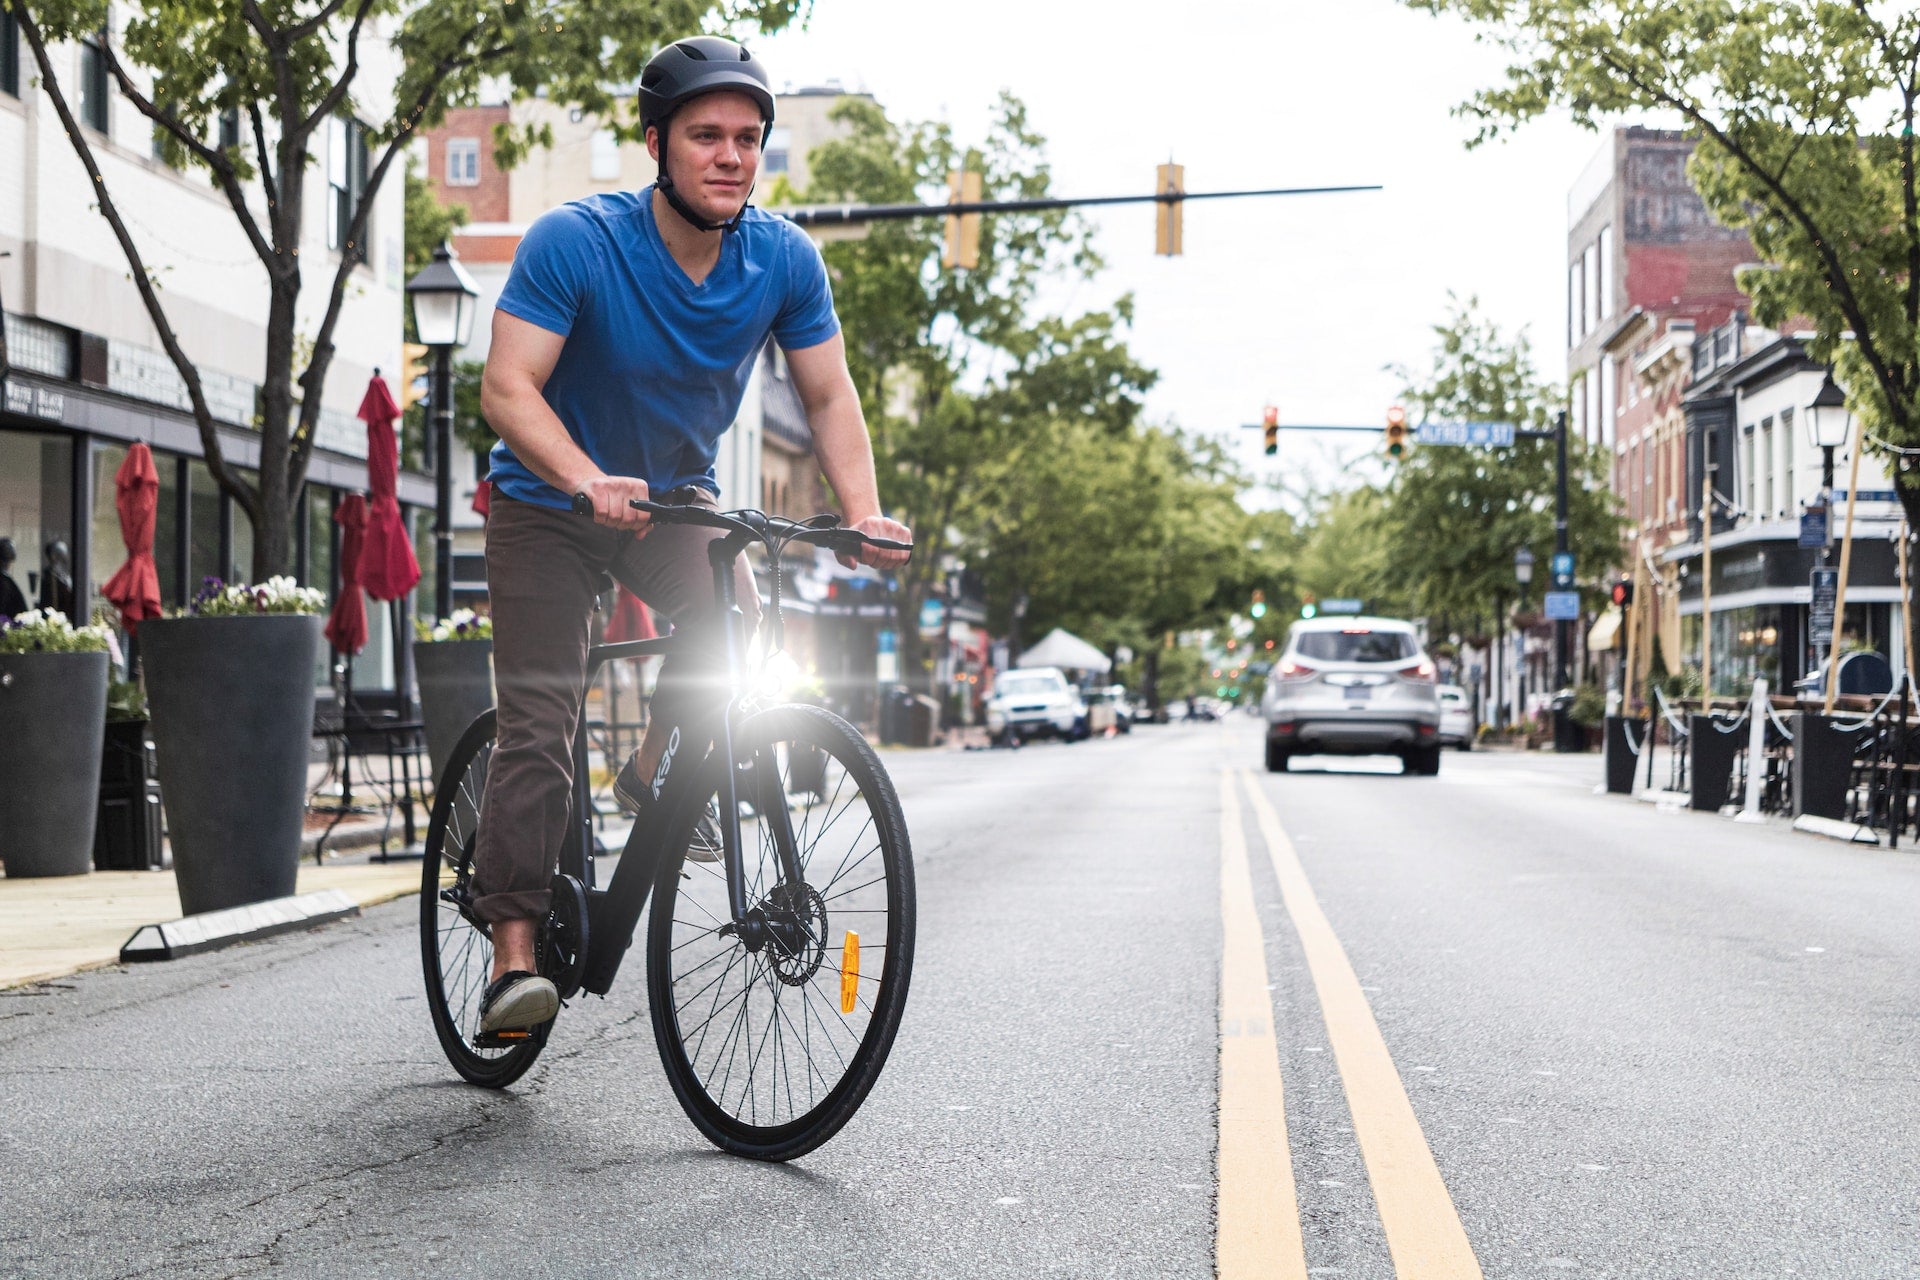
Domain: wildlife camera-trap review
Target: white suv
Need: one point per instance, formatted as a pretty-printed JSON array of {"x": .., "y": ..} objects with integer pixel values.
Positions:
[
  {"x": 1036, "y": 702},
  {"x": 1353, "y": 686}
]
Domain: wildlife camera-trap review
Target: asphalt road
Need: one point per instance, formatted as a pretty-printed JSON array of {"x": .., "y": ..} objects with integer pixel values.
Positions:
[{"x": 1634, "y": 1044}]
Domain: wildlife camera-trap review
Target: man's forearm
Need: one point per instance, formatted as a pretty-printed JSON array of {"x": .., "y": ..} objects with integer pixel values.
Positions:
[{"x": 846, "y": 456}]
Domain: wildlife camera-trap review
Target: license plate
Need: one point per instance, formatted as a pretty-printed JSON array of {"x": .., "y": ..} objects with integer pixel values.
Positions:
[{"x": 1358, "y": 693}]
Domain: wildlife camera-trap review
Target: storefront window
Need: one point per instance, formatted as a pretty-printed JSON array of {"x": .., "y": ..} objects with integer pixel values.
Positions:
[
  {"x": 36, "y": 502},
  {"x": 203, "y": 527},
  {"x": 166, "y": 530},
  {"x": 109, "y": 548},
  {"x": 420, "y": 529}
]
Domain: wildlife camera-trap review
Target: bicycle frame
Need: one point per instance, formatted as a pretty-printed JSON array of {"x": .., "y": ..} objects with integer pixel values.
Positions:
[{"x": 613, "y": 915}]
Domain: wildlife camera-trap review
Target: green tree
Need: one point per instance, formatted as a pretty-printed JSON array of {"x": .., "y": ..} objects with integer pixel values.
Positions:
[
  {"x": 1804, "y": 111},
  {"x": 953, "y": 370},
  {"x": 285, "y": 69},
  {"x": 1451, "y": 518}
]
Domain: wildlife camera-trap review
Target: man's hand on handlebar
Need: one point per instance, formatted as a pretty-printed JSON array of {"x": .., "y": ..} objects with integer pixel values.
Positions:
[
  {"x": 880, "y": 527},
  {"x": 610, "y": 496}
]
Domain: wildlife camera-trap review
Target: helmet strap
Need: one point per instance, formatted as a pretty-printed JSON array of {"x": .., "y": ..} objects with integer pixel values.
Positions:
[{"x": 679, "y": 203}]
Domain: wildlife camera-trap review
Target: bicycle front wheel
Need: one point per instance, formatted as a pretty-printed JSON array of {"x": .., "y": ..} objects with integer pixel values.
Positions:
[
  {"x": 456, "y": 946},
  {"x": 773, "y": 1035}
]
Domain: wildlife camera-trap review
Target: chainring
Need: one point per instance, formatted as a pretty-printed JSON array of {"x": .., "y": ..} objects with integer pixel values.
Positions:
[{"x": 564, "y": 952}]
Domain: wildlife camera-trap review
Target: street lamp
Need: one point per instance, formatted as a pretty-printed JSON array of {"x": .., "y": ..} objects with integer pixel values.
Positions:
[
  {"x": 1523, "y": 571},
  {"x": 445, "y": 302},
  {"x": 1828, "y": 421}
]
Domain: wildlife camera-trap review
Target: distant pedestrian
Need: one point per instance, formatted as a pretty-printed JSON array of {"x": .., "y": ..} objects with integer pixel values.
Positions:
[{"x": 13, "y": 601}]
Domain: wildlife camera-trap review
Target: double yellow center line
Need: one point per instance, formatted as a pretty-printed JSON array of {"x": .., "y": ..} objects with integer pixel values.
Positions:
[{"x": 1257, "y": 1231}]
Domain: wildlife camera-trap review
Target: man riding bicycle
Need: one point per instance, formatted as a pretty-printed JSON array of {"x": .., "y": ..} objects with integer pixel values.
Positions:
[{"x": 621, "y": 349}]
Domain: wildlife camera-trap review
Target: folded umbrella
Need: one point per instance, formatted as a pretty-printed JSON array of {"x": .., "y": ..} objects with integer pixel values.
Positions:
[{"x": 135, "y": 588}]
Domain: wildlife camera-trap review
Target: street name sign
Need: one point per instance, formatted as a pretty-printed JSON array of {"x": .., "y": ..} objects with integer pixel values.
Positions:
[
  {"x": 1563, "y": 606},
  {"x": 1813, "y": 527},
  {"x": 1343, "y": 605},
  {"x": 1826, "y": 593},
  {"x": 1464, "y": 433}
]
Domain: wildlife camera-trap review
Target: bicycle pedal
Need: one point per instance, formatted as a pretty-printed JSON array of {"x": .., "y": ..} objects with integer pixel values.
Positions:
[{"x": 503, "y": 1039}]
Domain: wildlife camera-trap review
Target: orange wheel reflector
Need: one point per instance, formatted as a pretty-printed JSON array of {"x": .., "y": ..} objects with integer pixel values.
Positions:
[{"x": 849, "y": 971}]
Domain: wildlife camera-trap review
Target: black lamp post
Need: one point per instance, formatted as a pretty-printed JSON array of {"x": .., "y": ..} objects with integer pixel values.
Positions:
[
  {"x": 1522, "y": 574},
  {"x": 445, "y": 302},
  {"x": 1827, "y": 424}
]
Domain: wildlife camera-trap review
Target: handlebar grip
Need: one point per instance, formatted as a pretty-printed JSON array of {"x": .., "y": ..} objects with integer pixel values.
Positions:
[
  {"x": 583, "y": 505},
  {"x": 886, "y": 544}
]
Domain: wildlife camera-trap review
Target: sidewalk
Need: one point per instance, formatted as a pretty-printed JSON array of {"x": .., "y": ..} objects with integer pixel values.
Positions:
[{"x": 57, "y": 925}]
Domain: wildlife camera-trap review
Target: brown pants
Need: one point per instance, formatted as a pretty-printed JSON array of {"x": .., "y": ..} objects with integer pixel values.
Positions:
[{"x": 544, "y": 568}]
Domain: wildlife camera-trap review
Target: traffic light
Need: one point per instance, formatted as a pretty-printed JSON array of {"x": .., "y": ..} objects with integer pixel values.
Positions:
[
  {"x": 1169, "y": 178},
  {"x": 1308, "y": 606},
  {"x": 1396, "y": 433},
  {"x": 413, "y": 373},
  {"x": 1270, "y": 422},
  {"x": 1623, "y": 592},
  {"x": 963, "y": 230},
  {"x": 1259, "y": 608}
]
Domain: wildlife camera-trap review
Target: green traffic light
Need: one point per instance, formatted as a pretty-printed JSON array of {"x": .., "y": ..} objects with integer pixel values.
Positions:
[
  {"x": 1309, "y": 610},
  {"x": 1259, "y": 609}
]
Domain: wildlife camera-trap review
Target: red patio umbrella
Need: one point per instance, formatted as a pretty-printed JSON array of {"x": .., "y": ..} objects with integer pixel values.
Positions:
[
  {"x": 630, "y": 619},
  {"x": 346, "y": 628},
  {"x": 135, "y": 588},
  {"x": 388, "y": 569}
]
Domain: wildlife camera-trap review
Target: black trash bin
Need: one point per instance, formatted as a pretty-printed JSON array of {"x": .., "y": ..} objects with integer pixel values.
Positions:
[
  {"x": 1621, "y": 760},
  {"x": 1822, "y": 765},
  {"x": 1710, "y": 757},
  {"x": 923, "y": 720},
  {"x": 127, "y": 835},
  {"x": 896, "y": 707}
]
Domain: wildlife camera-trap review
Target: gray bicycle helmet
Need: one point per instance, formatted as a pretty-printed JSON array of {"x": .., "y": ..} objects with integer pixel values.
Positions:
[{"x": 685, "y": 70}]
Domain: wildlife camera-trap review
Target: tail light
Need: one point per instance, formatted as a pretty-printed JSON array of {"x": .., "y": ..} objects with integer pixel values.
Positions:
[
  {"x": 1291, "y": 670},
  {"x": 1423, "y": 671}
]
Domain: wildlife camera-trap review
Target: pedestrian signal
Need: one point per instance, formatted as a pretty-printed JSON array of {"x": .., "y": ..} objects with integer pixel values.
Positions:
[
  {"x": 1396, "y": 432},
  {"x": 1270, "y": 421},
  {"x": 1623, "y": 592}
]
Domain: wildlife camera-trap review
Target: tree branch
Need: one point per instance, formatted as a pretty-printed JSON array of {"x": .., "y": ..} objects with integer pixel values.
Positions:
[
  {"x": 314, "y": 378},
  {"x": 338, "y": 93},
  {"x": 267, "y": 182},
  {"x": 1836, "y": 276},
  {"x": 215, "y": 160},
  {"x": 300, "y": 31},
  {"x": 245, "y": 495}
]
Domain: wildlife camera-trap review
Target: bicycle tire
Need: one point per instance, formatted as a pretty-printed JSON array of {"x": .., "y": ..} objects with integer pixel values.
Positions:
[
  {"x": 806, "y": 741},
  {"x": 456, "y": 949}
]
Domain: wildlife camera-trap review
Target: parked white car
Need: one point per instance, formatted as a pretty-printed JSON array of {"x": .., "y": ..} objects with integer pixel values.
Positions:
[
  {"x": 1456, "y": 717},
  {"x": 1034, "y": 703}
]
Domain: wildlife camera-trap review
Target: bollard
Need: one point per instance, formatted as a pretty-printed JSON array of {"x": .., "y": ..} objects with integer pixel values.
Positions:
[{"x": 1756, "y": 754}]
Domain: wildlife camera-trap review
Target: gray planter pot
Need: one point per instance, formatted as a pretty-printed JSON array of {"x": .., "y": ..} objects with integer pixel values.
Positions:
[
  {"x": 53, "y": 707},
  {"x": 456, "y": 684},
  {"x": 231, "y": 701}
]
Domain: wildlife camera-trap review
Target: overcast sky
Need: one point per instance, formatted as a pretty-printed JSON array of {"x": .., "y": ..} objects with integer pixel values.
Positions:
[{"x": 1301, "y": 301}]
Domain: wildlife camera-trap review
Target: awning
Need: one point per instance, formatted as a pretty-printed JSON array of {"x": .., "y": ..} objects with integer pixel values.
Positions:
[
  {"x": 1605, "y": 630},
  {"x": 1062, "y": 648}
]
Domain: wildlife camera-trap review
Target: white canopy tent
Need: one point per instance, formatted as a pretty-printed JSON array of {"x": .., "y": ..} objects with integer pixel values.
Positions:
[{"x": 1065, "y": 650}]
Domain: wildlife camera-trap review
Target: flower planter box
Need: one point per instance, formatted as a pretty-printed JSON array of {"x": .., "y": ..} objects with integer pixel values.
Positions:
[
  {"x": 231, "y": 702},
  {"x": 54, "y": 708}
]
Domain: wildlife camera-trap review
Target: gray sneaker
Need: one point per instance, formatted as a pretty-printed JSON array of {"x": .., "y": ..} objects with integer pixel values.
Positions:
[
  {"x": 517, "y": 1000},
  {"x": 636, "y": 797}
]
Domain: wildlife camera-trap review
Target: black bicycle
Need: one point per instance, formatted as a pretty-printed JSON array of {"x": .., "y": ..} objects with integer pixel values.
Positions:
[{"x": 781, "y": 939}]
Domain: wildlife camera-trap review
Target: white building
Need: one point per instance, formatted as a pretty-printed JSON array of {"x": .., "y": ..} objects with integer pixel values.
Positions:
[{"x": 88, "y": 372}]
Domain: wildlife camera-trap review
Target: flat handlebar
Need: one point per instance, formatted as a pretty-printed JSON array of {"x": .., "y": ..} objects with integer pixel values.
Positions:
[{"x": 760, "y": 525}]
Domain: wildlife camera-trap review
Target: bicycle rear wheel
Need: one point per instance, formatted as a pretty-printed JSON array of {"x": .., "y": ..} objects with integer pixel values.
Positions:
[
  {"x": 456, "y": 946},
  {"x": 772, "y": 1042}
]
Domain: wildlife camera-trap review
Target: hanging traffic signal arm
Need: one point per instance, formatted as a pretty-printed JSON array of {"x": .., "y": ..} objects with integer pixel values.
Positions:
[{"x": 850, "y": 214}]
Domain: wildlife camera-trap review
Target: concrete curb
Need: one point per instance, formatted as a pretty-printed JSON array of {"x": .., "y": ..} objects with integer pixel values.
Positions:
[{"x": 211, "y": 930}]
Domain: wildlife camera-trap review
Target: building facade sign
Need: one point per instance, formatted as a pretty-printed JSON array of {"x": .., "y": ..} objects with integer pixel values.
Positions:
[{"x": 35, "y": 402}]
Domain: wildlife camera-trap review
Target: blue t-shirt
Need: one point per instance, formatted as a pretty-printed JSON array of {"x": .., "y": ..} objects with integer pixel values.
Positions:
[{"x": 655, "y": 366}]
